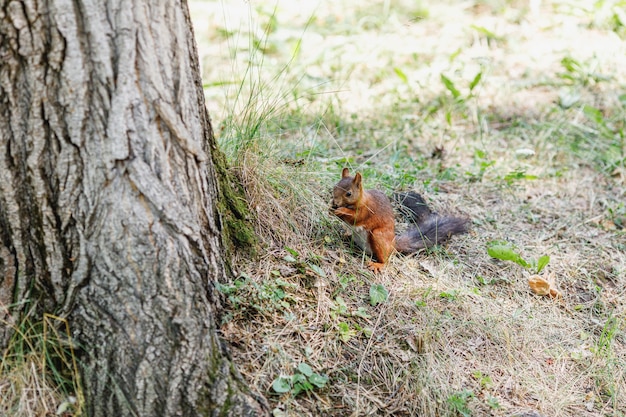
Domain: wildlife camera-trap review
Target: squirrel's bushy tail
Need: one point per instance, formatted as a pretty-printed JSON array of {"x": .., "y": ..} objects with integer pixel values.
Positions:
[
  {"x": 430, "y": 228},
  {"x": 432, "y": 231}
]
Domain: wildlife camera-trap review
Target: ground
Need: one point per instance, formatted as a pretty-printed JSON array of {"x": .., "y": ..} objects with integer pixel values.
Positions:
[{"x": 508, "y": 112}]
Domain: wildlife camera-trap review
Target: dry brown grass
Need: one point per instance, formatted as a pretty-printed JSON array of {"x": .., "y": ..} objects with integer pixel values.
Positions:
[
  {"x": 461, "y": 333},
  {"x": 38, "y": 371},
  {"x": 24, "y": 392}
]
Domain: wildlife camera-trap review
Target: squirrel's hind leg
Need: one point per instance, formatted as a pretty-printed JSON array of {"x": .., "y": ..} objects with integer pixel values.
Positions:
[{"x": 382, "y": 244}]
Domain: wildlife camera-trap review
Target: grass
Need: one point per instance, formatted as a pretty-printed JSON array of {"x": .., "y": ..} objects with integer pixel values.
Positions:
[
  {"x": 509, "y": 112},
  {"x": 38, "y": 373}
]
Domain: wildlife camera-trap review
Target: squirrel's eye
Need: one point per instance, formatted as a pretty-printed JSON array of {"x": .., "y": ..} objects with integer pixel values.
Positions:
[{"x": 349, "y": 194}]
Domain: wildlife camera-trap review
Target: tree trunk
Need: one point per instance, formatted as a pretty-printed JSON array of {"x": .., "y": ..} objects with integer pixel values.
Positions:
[{"x": 107, "y": 192}]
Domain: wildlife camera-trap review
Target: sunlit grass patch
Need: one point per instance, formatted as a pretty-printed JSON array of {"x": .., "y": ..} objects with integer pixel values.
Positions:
[{"x": 508, "y": 112}]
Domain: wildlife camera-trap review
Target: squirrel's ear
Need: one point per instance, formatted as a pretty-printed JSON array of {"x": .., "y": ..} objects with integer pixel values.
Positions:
[
  {"x": 345, "y": 173},
  {"x": 357, "y": 180}
]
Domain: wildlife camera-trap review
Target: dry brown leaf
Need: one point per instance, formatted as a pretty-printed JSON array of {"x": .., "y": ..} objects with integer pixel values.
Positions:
[
  {"x": 607, "y": 224},
  {"x": 539, "y": 285},
  {"x": 544, "y": 286},
  {"x": 554, "y": 293}
]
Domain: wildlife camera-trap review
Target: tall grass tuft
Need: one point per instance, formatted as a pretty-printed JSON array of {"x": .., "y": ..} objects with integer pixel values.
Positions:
[
  {"x": 39, "y": 373},
  {"x": 265, "y": 113}
]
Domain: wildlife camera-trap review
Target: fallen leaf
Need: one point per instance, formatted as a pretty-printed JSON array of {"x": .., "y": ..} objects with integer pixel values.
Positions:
[
  {"x": 608, "y": 224},
  {"x": 554, "y": 293},
  {"x": 539, "y": 285},
  {"x": 544, "y": 286}
]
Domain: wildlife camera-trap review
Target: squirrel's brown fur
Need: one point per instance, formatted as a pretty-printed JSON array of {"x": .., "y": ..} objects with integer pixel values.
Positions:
[{"x": 371, "y": 215}]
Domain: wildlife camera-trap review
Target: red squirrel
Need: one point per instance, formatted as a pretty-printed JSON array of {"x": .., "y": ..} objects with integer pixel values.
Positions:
[{"x": 371, "y": 215}]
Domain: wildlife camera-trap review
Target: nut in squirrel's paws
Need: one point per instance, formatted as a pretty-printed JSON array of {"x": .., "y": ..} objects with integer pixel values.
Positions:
[{"x": 542, "y": 286}]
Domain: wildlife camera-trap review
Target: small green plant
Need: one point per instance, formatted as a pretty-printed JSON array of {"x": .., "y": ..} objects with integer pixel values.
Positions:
[
  {"x": 422, "y": 302},
  {"x": 378, "y": 294},
  {"x": 345, "y": 281},
  {"x": 483, "y": 163},
  {"x": 580, "y": 73},
  {"x": 345, "y": 332},
  {"x": 338, "y": 308},
  {"x": 401, "y": 75},
  {"x": 488, "y": 35},
  {"x": 269, "y": 296},
  {"x": 617, "y": 214},
  {"x": 361, "y": 312},
  {"x": 493, "y": 402},
  {"x": 604, "y": 346},
  {"x": 451, "y": 295},
  {"x": 459, "y": 99},
  {"x": 484, "y": 380},
  {"x": 505, "y": 251},
  {"x": 517, "y": 175},
  {"x": 307, "y": 266},
  {"x": 604, "y": 350},
  {"x": 454, "y": 91},
  {"x": 492, "y": 281},
  {"x": 303, "y": 380},
  {"x": 458, "y": 402}
]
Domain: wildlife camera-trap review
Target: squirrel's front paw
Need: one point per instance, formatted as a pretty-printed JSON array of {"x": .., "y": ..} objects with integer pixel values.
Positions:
[
  {"x": 375, "y": 267},
  {"x": 342, "y": 211}
]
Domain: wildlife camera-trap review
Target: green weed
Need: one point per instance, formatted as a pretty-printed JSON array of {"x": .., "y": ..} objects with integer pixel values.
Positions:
[
  {"x": 345, "y": 331},
  {"x": 493, "y": 403},
  {"x": 578, "y": 73},
  {"x": 604, "y": 350},
  {"x": 524, "y": 146},
  {"x": 422, "y": 301},
  {"x": 485, "y": 381},
  {"x": 460, "y": 99},
  {"x": 302, "y": 380},
  {"x": 378, "y": 294},
  {"x": 491, "y": 38},
  {"x": 247, "y": 296},
  {"x": 483, "y": 163},
  {"x": 505, "y": 251},
  {"x": 517, "y": 175},
  {"x": 458, "y": 402}
]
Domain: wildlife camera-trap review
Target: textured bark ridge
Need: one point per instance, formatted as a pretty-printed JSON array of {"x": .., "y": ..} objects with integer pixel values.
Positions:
[{"x": 107, "y": 192}]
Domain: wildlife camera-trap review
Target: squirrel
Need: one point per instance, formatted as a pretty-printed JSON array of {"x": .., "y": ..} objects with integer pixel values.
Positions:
[{"x": 371, "y": 215}]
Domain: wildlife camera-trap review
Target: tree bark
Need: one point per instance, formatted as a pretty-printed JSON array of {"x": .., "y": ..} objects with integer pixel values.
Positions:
[{"x": 107, "y": 193}]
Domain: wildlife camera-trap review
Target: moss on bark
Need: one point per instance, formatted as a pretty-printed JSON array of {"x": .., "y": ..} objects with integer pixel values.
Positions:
[{"x": 238, "y": 232}]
